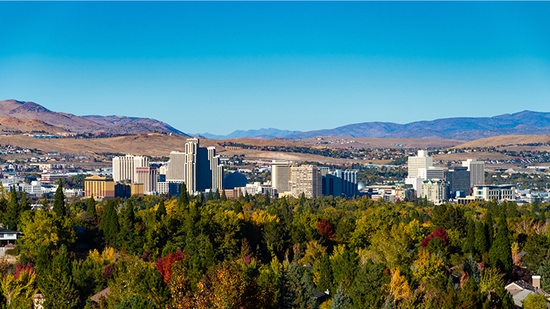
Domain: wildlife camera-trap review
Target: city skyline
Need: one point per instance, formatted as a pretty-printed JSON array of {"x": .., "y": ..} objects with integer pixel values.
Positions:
[{"x": 218, "y": 67}]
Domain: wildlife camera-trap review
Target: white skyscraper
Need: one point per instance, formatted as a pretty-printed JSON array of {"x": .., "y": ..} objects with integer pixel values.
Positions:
[
  {"x": 422, "y": 160},
  {"x": 280, "y": 176},
  {"x": 124, "y": 168},
  {"x": 190, "y": 164},
  {"x": 175, "y": 171},
  {"x": 216, "y": 169}
]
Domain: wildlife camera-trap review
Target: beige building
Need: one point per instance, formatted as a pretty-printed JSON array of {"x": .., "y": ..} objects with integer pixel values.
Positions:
[
  {"x": 422, "y": 160},
  {"x": 305, "y": 179},
  {"x": 280, "y": 176},
  {"x": 99, "y": 187},
  {"x": 148, "y": 177},
  {"x": 435, "y": 190}
]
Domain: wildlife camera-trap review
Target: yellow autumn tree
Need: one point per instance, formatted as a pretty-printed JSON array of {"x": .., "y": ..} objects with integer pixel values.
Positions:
[{"x": 398, "y": 288}]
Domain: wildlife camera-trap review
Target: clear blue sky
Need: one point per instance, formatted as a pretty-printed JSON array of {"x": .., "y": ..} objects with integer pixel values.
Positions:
[{"x": 220, "y": 66}]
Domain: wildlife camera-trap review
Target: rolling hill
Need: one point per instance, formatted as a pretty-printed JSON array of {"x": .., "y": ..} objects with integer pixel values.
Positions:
[{"x": 32, "y": 117}]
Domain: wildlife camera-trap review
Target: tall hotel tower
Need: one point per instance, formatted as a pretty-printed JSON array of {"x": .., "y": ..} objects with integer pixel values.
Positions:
[
  {"x": 198, "y": 167},
  {"x": 124, "y": 168}
]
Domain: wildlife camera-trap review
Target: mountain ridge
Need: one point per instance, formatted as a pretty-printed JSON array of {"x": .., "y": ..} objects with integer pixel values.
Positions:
[{"x": 61, "y": 122}]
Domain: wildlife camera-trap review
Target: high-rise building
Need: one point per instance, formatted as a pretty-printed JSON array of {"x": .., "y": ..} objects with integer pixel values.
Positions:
[
  {"x": 216, "y": 169},
  {"x": 175, "y": 171},
  {"x": 124, "y": 168},
  {"x": 198, "y": 167},
  {"x": 477, "y": 171},
  {"x": 305, "y": 179},
  {"x": 338, "y": 182},
  {"x": 148, "y": 177},
  {"x": 280, "y": 176},
  {"x": 458, "y": 178},
  {"x": 431, "y": 172},
  {"x": 422, "y": 160}
]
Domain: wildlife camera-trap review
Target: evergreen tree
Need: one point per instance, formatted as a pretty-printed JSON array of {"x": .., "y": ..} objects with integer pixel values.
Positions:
[
  {"x": 161, "y": 211},
  {"x": 183, "y": 200},
  {"x": 481, "y": 246},
  {"x": 57, "y": 284},
  {"x": 469, "y": 242},
  {"x": 500, "y": 254},
  {"x": 24, "y": 202},
  {"x": 285, "y": 293},
  {"x": 489, "y": 228},
  {"x": 223, "y": 197},
  {"x": 267, "y": 200},
  {"x": 217, "y": 196},
  {"x": 341, "y": 299},
  {"x": 90, "y": 207},
  {"x": 367, "y": 286},
  {"x": 59, "y": 200},
  {"x": 109, "y": 224},
  {"x": 325, "y": 276},
  {"x": 209, "y": 196},
  {"x": 127, "y": 221},
  {"x": 11, "y": 217}
]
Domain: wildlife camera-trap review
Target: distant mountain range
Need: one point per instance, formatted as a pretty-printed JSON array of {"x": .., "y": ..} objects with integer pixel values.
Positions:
[
  {"x": 31, "y": 117},
  {"x": 460, "y": 128},
  {"x": 261, "y": 133},
  {"x": 18, "y": 116}
]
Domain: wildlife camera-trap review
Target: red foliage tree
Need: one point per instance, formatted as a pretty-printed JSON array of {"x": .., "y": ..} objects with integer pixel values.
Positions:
[
  {"x": 440, "y": 233},
  {"x": 22, "y": 268},
  {"x": 325, "y": 229},
  {"x": 164, "y": 264}
]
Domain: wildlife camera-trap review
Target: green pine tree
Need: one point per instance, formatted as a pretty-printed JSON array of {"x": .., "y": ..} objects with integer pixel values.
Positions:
[
  {"x": 127, "y": 221},
  {"x": 90, "y": 207},
  {"x": 325, "y": 276},
  {"x": 12, "y": 214},
  {"x": 56, "y": 285},
  {"x": 109, "y": 224},
  {"x": 161, "y": 211},
  {"x": 59, "y": 200},
  {"x": 341, "y": 299},
  {"x": 481, "y": 246},
  {"x": 500, "y": 254},
  {"x": 469, "y": 242},
  {"x": 183, "y": 200}
]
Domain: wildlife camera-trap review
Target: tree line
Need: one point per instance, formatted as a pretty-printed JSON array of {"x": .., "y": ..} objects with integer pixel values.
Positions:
[{"x": 257, "y": 252}]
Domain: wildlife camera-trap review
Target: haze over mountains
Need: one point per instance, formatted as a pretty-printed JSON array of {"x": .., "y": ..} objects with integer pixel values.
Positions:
[{"x": 32, "y": 117}]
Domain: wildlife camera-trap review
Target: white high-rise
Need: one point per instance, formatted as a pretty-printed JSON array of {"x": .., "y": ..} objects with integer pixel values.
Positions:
[
  {"x": 175, "y": 170},
  {"x": 422, "y": 160},
  {"x": 124, "y": 168},
  {"x": 190, "y": 164},
  {"x": 477, "y": 171},
  {"x": 280, "y": 176},
  {"x": 216, "y": 169}
]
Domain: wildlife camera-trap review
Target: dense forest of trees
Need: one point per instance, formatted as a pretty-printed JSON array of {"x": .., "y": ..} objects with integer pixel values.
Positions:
[{"x": 257, "y": 252}]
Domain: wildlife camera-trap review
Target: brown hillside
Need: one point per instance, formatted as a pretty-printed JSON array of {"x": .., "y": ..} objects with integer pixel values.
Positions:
[{"x": 506, "y": 140}]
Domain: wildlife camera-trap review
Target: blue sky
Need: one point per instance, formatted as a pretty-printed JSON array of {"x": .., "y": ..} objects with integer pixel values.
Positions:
[{"x": 221, "y": 66}]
